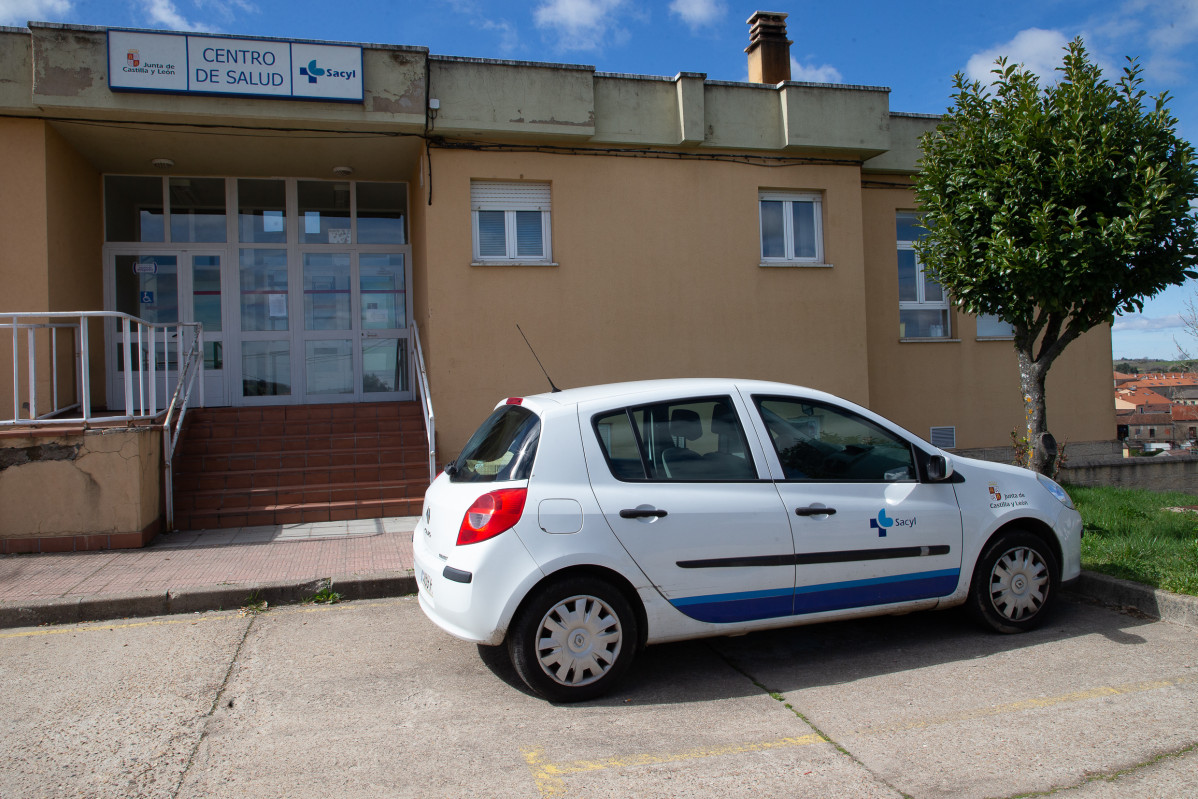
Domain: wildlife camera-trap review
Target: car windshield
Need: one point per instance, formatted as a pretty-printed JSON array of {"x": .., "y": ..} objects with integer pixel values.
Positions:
[{"x": 503, "y": 448}]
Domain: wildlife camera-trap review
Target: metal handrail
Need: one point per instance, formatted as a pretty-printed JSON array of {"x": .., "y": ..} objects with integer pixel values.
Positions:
[
  {"x": 426, "y": 401},
  {"x": 140, "y": 403},
  {"x": 189, "y": 368}
]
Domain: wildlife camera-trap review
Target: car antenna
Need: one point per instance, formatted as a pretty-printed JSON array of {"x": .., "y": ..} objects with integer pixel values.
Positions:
[{"x": 534, "y": 355}]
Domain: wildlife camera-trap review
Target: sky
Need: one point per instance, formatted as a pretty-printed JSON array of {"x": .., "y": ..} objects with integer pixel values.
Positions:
[{"x": 914, "y": 49}]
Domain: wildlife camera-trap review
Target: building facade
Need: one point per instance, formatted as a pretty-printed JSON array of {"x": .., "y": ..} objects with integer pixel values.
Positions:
[{"x": 632, "y": 226}]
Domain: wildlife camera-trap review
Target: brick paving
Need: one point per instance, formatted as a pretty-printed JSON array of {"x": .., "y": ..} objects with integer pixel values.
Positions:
[{"x": 297, "y": 552}]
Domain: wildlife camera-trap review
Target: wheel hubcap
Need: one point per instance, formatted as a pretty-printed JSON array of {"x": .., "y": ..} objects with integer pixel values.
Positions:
[
  {"x": 1019, "y": 583},
  {"x": 578, "y": 640}
]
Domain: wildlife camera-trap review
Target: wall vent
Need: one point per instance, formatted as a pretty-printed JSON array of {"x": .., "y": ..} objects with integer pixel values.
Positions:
[{"x": 944, "y": 437}]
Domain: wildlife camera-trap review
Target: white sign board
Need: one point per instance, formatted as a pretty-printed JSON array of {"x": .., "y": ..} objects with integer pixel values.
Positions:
[{"x": 227, "y": 65}]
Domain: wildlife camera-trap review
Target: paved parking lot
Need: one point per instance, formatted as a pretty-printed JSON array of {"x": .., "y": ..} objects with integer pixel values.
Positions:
[{"x": 368, "y": 699}]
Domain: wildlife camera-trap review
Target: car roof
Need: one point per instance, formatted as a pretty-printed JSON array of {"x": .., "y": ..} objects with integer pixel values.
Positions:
[{"x": 682, "y": 386}]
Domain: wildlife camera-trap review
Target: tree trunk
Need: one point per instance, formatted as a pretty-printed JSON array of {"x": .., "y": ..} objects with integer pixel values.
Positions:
[{"x": 1041, "y": 446}]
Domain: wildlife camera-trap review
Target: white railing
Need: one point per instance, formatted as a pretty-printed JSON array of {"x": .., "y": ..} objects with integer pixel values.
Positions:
[
  {"x": 39, "y": 364},
  {"x": 54, "y": 339},
  {"x": 426, "y": 401},
  {"x": 191, "y": 366}
]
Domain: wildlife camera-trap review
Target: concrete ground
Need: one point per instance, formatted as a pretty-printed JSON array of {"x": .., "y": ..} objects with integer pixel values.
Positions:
[{"x": 369, "y": 699}]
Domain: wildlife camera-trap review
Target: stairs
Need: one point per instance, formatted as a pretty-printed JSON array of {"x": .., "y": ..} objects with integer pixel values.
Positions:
[{"x": 245, "y": 467}]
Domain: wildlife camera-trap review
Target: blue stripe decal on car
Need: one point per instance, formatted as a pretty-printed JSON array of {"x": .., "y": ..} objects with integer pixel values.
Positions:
[
  {"x": 753, "y": 605},
  {"x": 742, "y": 606},
  {"x": 878, "y": 591}
]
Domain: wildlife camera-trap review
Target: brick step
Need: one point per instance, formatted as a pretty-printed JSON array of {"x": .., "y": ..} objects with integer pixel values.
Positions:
[
  {"x": 299, "y": 514},
  {"x": 246, "y": 479},
  {"x": 268, "y": 460},
  {"x": 207, "y": 430},
  {"x": 415, "y": 440},
  {"x": 262, "y": 497},
  {"x": 239, "y": 467},
  {"x": 295, "y": 413}
]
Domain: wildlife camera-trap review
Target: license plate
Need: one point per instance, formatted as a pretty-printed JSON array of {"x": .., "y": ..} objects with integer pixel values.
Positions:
[{"x": 426, "y": 583}]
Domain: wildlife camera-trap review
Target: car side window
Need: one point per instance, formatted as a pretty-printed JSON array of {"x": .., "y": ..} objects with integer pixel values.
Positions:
[
  {"x": 689, "y": 440},
  {"x": 818, "y": 442}
]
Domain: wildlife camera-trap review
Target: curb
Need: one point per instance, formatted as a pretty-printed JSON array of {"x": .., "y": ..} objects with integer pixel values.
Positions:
[
  {"x": 1110, "y": 591},
  {"x": 197, "y": 599},
  {"x": 1125, "y": 594}
]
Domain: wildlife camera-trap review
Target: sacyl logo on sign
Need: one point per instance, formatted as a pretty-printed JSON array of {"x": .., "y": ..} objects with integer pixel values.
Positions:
[
  {"x": 312, "y": 72},
  {"x": 883, "y": 523}
]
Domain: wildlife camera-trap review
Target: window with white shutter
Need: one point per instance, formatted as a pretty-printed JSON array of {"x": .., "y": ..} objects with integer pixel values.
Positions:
[{"x": 510, "y": 222}]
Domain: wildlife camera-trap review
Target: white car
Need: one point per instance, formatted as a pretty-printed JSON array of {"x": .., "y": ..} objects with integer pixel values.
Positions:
[{"x": 578, "y": 526}]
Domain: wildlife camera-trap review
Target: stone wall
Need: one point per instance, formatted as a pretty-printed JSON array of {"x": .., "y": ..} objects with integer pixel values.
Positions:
[{"x": 1160, "y": 473}]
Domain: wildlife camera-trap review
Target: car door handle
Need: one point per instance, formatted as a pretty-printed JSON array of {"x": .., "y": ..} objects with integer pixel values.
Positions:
[
  {"x": 642, "y": 513},
  {"x": 812, "y": 511}
]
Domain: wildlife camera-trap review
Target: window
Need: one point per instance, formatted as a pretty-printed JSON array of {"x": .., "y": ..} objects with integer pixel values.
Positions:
[
  {"x": 923, "y": 303},
  {"x": 791, "y": 229},
  {"x": 503, "y": 448},
  {"x": 684, "y": 441},
  {"x": 510, "y": 222},
  {"x": 990, "y": 326},
  {"x": 816, "y": 442}
]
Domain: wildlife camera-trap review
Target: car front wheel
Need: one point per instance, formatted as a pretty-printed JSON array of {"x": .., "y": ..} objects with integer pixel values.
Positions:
[
  {"x": 1014, "y": 583},
  {"x": 573, "y": 639}
]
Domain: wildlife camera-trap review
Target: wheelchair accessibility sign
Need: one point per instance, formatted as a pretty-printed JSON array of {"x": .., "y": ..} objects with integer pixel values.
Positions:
[{"x": 147, "y": 298}]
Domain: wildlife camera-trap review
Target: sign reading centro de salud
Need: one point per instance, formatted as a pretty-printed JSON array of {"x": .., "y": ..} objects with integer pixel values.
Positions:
[{"x": 228, "y": 65}]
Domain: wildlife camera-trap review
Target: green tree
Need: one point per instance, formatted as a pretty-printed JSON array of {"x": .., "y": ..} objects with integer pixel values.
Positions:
[{"x": 1056, "y": 208}]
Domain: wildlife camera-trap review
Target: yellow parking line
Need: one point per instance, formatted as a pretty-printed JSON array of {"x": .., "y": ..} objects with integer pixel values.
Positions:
[
  {"x": 83, "y": 627},
  {"x": 549, "y": 776},
  {"x": 1033, "y": 704}
]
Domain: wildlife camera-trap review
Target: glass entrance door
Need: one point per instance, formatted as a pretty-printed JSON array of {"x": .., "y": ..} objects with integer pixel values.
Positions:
[
  {"x": 167, "y": 288},
  {"x": 382, "y": 292},
  {"x": 301, "y": 284},
  {"x": 355, "y": 315},
  {"x": 147, "y": 287}
]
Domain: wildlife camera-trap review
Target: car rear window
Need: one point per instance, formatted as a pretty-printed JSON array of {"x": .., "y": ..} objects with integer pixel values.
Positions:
[{"x": 503, "y": 448}]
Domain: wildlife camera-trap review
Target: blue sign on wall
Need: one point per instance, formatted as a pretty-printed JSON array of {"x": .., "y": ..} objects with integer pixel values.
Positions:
[{"x": 229, "y": 65}]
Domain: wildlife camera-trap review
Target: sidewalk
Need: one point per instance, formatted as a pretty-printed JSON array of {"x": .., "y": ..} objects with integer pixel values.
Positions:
[
  {"x": 210, "y": 570},
  {"x": 221, "y": 569}
]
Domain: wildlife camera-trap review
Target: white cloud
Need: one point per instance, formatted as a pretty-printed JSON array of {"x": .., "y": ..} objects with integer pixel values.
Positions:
[
  {"x": 18, "y": 12},
  {"x": 1132, "y": 322},
  {"x": 229, "y": 11},
  {"x": 698, "y": 13},
  {"x": 824, "y": 73},
  {"x": 1162, "y": 32},
  {"x": 580, "y": 24},
  {"x": 1038, "y": 50},
  {"x": 509, "y": 38},
  {"x": 164, "y": 13}
]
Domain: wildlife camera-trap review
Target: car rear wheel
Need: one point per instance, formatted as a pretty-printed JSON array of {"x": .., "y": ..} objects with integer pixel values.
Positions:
[
  {"x": 1014, "y": 583},
  {"x": 573, "y": 639}
]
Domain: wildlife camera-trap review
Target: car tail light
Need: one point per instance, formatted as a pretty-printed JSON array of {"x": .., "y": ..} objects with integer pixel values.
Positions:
[
  {"x": 514, "y": 401},
  {"x": 491, "y": 514}
]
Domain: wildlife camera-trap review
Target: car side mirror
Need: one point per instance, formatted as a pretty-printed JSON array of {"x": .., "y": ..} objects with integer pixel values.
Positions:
[{"x": 939, "y": 468}]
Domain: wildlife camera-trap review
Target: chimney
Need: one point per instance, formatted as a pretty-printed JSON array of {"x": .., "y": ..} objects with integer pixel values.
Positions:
[{"x": 769, "y": 49}]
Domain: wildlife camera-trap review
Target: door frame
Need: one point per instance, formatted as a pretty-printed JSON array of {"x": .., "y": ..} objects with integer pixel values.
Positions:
[{"x": 225, "y": 391}]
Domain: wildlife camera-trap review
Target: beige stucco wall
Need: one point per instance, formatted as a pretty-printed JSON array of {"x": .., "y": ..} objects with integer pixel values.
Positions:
[
  {"x": 658, "y": 276},
  {"x": 51, "y": 254},
  {"x": 970, "y": 384},
  {"x": 109, "y": 484},
  {"x": 23, "y": 239}
]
